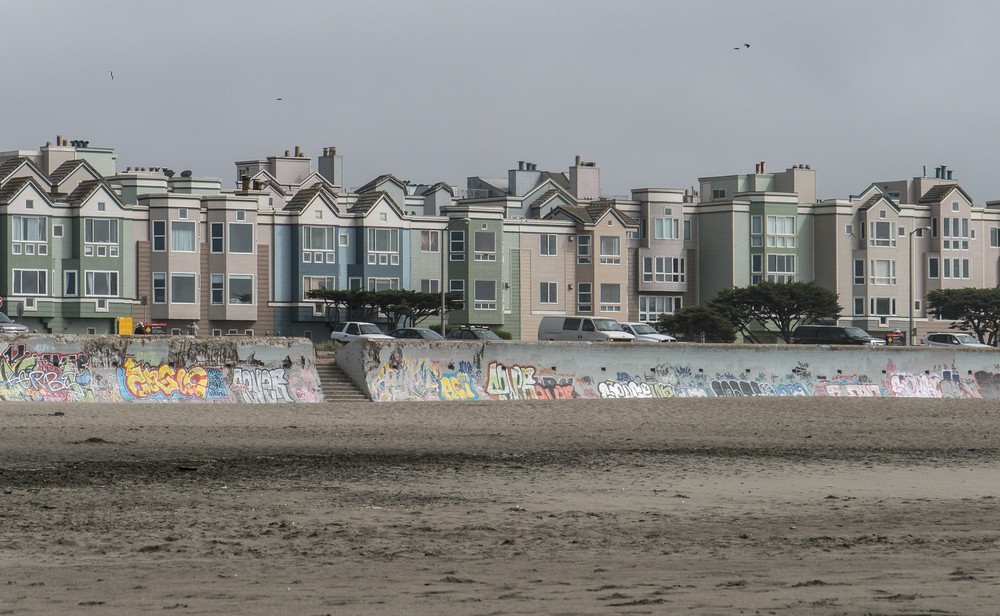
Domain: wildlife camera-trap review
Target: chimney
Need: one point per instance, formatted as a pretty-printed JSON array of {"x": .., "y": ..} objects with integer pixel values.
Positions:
[
  {"x": 520, "y": 165},
  {"x": 288, "y": 153},
  {"x": 763, "y": 167},
  {"x": 578, "y": 160},
  {"x": 298, "y": 152},
  {"x": 245, "y": 181}
]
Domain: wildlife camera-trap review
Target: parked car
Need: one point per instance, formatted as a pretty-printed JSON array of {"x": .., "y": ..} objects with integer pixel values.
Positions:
[
  {"x": 833, "y": 334},
  {"x": 953, "y": 339},
  {"x": 589, "y": 329},
  {"x": 9, "y": 327},
  {"x": 644, "y": 332},
  {"x": 416, "y": 333},
  {"x": 352, "y": 330},
  {"x": 472, "y": 333}
]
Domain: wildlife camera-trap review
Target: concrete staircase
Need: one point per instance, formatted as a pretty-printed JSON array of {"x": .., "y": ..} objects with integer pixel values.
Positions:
[{"x": 336, "y": 385}]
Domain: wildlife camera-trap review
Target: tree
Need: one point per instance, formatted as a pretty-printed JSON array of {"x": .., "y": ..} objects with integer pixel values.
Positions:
[
  {"x": 400, "y": 307},
  {"x": 970, "y": 309},
  {"x": 692, "y": 322},
  {"x": 776, "y": 307}
]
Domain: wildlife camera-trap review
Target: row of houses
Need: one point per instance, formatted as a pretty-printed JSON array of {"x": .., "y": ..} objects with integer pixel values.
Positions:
[{"x": 89, "y": 244}]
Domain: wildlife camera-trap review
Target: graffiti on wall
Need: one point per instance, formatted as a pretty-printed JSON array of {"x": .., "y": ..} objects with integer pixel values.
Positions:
[
  {"x": 142, "y": 381},
  {"x": 261, "y": 385},
  {"x": 525, "y": 382},
  {"x": 44, "y": 377}
]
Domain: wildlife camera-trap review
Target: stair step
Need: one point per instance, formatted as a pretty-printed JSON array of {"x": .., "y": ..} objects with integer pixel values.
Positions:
[{"x": 336, "y": 385}]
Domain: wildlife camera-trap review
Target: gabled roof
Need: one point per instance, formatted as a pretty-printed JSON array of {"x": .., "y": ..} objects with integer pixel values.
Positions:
[
  {"x": 268, "y": 180},
  {"x": 939, "y": 192},
  {"x": 592, "y": 214},
  {"x": 64, "y": 170},
  {"x": 306, "y": 196},
  {"x": 388, "y": 177},
  {"x": 436, "y": 187},
  {"x": 15, "y": 164},
  {"x": 85, "y": 190},
  {"x": 14, "y": 187},
  {"x": 367, "y": 201},
  {"x": 878, "y": 195},
  {"x": 316, "y": 178}
]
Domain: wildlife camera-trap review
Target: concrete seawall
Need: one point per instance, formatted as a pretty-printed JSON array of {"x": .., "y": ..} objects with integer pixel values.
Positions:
[
  {"x": 157, "y": 369},
  {"x": 388, "y": 370}
]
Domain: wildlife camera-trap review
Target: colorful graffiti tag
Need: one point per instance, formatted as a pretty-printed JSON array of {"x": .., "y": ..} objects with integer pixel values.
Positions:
[
  {"x": 44, "y": 377},
  {"x": 526, "y": 383},
  {"x": 142, "y": 381}
]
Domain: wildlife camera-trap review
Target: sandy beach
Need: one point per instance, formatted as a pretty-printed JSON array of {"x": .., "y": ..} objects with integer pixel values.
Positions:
[{"x": 698, "y": 506}]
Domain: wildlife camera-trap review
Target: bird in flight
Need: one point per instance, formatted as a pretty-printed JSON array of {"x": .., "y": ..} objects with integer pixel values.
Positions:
[
  {"x": 279, "y": 99},
  {"x": 112, "y": 74},
  {"x": 746, "y": 45}
]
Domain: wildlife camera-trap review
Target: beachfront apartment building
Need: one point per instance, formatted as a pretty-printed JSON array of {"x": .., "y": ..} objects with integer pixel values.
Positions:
[{"x": 89, "y": 244}]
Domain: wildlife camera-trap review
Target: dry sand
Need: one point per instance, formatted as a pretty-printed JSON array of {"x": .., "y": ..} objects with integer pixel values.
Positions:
[{"x": 697, "y": 506}]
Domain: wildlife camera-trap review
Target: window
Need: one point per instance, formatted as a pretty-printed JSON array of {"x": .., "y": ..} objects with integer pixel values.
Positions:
[
  {"x": 31, "y": 282},
  {"x": 182, "y": 236},
  {"x": 547, "y": 244},
  {"x": 584, "y": 249},
  {"x": 159, "y": 231},
  {"x": 611, "y": 297},
  {"x": 101, "y": 284},
  {"x": 956, "y": 268},
  {"x": 611, "y": 249},
  {"x": 687, "y": 230},
  {"x": 101, "y": 206},
  {"x": 241, "y": 215},
  {"x": 29, "y": 228},
  {"x": 430, "y": 285},
  {"x": 883, "y": 306},
  {"x": 932, "y": 267},
  {"x": 70, "y": 283},
  {"x": 954, "y": 206},
  {"x": 457, "y": 286},
  {"x": 781, "y": 231},
  {"x": 430, "y": 241},
  {"x": 57, "y": 230},
  {"x": 383, "y": 284},
  {"x": 781, "y": 268},
  {"x": 548, "y": 293},
  {"x": 343, "y": 239},
  {"x": 240, "y": 238},
  {"x": 666, "y": 228},
  {"x": 664, "y": 269},
  {"x": 159, "y": 288},
  {"x": 354, "y": 283},
  {"x": 756, "y": 268},
  {"x": 240, "y": 288},
  {"x": 848, "y": 230},
  {"x": 756, "y": 231},
  {"x": 486, "y": 295},
  {"x": 485, "y": 246},
  {"x": 994, "y": 236},
  {"x": 217, "y": 239},
  {"x": 182, "y": 213},
  {"x": 652, "y": 306},
  {"x": 718, "y": 193},
  {"x": 313, "y": 283},
  {"x": 859, "y": 306},
  {"x": 456, "y": 245},
  {"x": 881, "y": 234},
  {"x": 584, "y": 297},
  {"x": 859, "y": 271},
  {"x": 383, "y": 246},
  {"x": 218, "y": 289},
  {"x": 29, "y": 204},
  {"x": 182, "y": 288},
  {"x": 883, "y": 271},
  {"x": 317, "y": 245}
]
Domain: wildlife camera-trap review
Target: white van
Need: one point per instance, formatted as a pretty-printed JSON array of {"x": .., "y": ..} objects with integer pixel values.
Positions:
[{"x": 592, "y": 329}]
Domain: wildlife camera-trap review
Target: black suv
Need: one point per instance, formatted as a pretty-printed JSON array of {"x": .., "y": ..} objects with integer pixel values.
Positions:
[
  {"x": 472, "y": 333},
  {"x": 833, "y": 334}
]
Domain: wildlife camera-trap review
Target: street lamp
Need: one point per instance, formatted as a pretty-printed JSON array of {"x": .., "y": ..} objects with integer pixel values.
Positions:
[
  {"x": 911, "y": 333},
  {"x": 444, "y": 241}
]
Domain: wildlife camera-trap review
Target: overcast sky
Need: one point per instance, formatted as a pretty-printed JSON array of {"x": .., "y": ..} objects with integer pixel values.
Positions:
[{"x": 652, "y": 91}]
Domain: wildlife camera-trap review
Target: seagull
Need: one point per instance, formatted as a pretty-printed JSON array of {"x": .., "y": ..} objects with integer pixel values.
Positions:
[
  {"x": 279, "y": 99},
  {"x": 747, "y": 45},
  {"x": 112, "y": 74}
]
